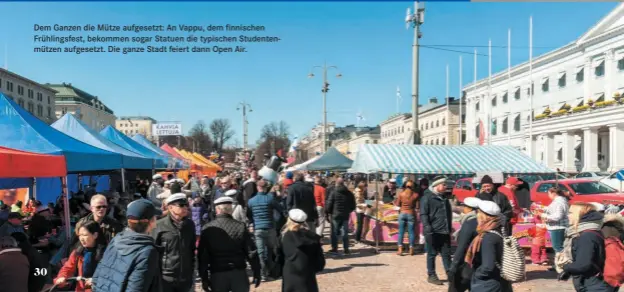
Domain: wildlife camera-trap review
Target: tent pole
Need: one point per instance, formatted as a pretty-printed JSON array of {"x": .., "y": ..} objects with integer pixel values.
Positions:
[
  {"x": 123, "y": 180},
  {"x": 34, "y": 188},
  {"x": 66, "y": 207},
  {"x": 379, "y": 230}
]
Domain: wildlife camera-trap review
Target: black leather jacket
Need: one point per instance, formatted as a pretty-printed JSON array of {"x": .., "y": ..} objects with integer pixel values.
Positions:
[
  {"x": 225, "y": 244},
  {"x": 178, "y": 249}
]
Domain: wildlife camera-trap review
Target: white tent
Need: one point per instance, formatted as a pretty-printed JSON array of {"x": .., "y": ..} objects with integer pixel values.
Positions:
[{"x": 304, "y": 165}]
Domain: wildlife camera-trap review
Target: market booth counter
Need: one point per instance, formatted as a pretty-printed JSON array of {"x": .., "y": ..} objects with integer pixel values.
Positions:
[{"x": 381, "y": 223}]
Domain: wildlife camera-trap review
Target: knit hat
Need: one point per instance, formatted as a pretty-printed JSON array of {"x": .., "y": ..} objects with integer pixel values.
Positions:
[
  {"x": 289, "y": 175},
  {"x": 487, "y": 180},
  {"x": 438, "y": 181}
]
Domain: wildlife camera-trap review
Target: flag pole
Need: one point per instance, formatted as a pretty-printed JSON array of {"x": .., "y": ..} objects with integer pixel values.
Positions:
[
  {"x": 489, "y": 119},
  {"x": 530, "y": 146},
  {"x": 461, "y": 102},
  {"x": 447, "y": 82}
]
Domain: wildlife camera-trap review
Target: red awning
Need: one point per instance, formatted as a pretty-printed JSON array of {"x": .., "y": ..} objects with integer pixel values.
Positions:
[
  {"x": 170, "y": 150},
  {"x": 20, "y": 164}
]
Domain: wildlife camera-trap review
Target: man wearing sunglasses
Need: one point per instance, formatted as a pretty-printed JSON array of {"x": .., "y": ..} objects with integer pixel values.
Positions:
[
  {"x": 175, "y": 234},
  {"x": 99, "y": 208}
]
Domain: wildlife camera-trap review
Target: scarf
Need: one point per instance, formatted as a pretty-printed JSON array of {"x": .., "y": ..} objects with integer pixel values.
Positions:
[
  {"x": 463, "y": 218},
  {"x": 475, "y": 246},
  {"x": 88, "y": 263},
  {"x": 565, "y": 256}
]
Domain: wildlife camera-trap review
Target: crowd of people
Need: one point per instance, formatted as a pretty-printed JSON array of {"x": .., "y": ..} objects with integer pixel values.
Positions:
[{"x": 158, "y": 239}]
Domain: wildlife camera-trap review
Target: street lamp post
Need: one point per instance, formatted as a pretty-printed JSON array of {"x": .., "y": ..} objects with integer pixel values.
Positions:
[
  {"x": 324, "y": 90},
  {"x": 244, "y": 106},
  {"x": 415, "y": 20}
]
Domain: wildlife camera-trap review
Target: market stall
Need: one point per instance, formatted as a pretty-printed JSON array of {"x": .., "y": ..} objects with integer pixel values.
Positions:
[
  {"x": 332, "y": 160},
  {"x": 381, "y": 226}
]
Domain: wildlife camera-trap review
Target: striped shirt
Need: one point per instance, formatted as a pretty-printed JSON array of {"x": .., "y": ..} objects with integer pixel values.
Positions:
[{"x": 557, "y": 214}]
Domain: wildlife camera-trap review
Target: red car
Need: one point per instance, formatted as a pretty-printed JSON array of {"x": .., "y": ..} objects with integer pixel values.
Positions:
[
  {"x": 582, "y": 190},
  {"x": 464, "y": 188}
]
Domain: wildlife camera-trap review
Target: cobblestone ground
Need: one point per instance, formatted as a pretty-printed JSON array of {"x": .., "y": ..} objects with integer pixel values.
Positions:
[{"x": 363, "y": 270}]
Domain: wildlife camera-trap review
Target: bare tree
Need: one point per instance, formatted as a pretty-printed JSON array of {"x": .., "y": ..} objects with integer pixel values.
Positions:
[
  {"x": 274, "y": 130},
  {"x": 273, "y": 138},
  {"x": 200, "y": 137},
  {"x": 221, "y": 131}
]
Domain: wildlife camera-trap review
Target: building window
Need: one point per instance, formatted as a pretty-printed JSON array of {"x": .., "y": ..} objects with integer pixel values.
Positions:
[
  {"x": 364, "y": 141},
  {"x": 374, "y": 141},
  {"x": 20, "y": 102},
  {"x": 477, "y": 131},
  {"x": 599, "y": 70},
  {"x": 39, "y": 96},
  {"x": 580, "y": 75},
  {"x": 437, "y": 142},
  {"x": 517, "y": 123},
  {"x": 20, "y": 90},
  {"x": 443, "y": 121},
  {"x": 493, "y": 130},
  {"x": 620, "y": 64},
  {"x": 494, "y": 101},
  {"x": 463, "y": 138},
  {"x": 505, "y": 97},
  {"x": 477, "y": 106},
  {"x": 545, "y": 87},
  {"x": 31, "y": 107},
  {"x": 463, "y": 119},
  {"x": 49, "y": 112},
  {"x": 30, "y": 93},
  {"x": 437, "y": 123},
  {"x": 0, "y": 83},
  {"x": 49, "y": 101},
  {"x": 9, "y": 86},
  {"x": 443, "y": 141},
  {"x": 505, "y": 126},
  {"x": 39, "y": 110},
  {"x": 562, "y": 79},
  {"x": 517, "y": 93}
]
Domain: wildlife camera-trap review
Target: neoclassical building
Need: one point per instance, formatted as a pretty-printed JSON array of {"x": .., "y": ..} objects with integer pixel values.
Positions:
[{"x": 577, "y": 112}]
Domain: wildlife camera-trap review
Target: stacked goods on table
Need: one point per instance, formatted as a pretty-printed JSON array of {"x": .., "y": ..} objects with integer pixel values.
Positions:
[{"x": 384, "y": 212}]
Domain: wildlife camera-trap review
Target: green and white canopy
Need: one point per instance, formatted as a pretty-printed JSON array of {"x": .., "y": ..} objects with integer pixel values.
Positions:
[{"x": 439, "y": 159}]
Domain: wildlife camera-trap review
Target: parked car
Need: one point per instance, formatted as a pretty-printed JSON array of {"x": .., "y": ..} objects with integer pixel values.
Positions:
[
  {"x": 533, "y": 178},
  {"x": 595, "y": 175},
  {"x": 582, "y": 190},
  {"x": 613, "y": 182},
  {"x": 464, "y": 188}
]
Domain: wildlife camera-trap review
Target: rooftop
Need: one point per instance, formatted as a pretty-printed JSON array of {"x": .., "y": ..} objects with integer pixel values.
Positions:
[
  {"x": 17, "y": 76},
  {"x": 137, "y": 118},
  {"x": 68, "y": 92}
]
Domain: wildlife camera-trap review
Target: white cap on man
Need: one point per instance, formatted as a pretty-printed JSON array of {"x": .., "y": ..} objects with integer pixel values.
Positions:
[
  {"x": 472, "y": 202},
  {"x": 490, "y": 208},
  {"x": 175, "y": 197},
  {"x": 223, "y": 200},
  {"x": 156, "y": 176},
  {"x": 231, "y": 193}
]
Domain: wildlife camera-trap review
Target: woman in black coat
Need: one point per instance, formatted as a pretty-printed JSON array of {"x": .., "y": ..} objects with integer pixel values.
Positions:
[
  {"x": 460, "y": 273},
  {"x": 301, "y": 255},
  {"x": 486, "y": 251},
  {"x": 585, "y": 243}
]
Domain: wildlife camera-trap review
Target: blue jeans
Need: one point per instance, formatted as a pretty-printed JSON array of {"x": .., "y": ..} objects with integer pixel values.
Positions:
[
  {"x": 409, "y": 220},
  {"x": 340, "y": 227},
  {"x": 556, "y": 238},
  {"x": 266, "y": 242}
]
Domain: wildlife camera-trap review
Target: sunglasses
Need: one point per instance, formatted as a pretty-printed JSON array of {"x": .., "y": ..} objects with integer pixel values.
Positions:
[
  {"x": 181, "y": 205},
  {"x": 100, "y": 207}
]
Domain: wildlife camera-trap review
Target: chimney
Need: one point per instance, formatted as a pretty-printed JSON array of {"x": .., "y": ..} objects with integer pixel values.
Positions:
[
  {"x": 433, "y": 100},
  {"x": 449, "y": 99}
]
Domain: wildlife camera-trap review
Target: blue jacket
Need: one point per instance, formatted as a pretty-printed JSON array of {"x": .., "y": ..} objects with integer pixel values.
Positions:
[
  {"x": 260, "y": 210},
  {"x": 131, "y": 263}
]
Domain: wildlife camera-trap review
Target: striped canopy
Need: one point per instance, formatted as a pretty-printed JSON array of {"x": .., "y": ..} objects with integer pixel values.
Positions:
[{"x": 438, "y": 159}]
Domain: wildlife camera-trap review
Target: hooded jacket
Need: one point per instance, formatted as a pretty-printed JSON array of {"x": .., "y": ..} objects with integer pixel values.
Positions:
[
  {"x": 588, "y": 255},
  {"x": 131, "y": 263}
]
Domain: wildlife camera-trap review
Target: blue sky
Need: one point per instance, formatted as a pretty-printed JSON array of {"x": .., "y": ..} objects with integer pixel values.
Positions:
[{"x": 367, "y": 41}]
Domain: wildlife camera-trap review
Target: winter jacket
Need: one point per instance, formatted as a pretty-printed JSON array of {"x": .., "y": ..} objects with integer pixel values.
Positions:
[
  {"x": 225, "y": 245},
  {"x": 199, "y": 216},
  {"x": 467, "y": 233},
  {"x": 14, "y": 270},
  {"x": 319, "y": 195},
  {"x": 486, "y": 276},
  {"x": 154, "y": 190},
  {"x": 7, "y": 229},
  {"x": 435, "y": 214},
  {"x": 301, "y": 196},
  {"x": 513, "y": 202},
  {"x": 302, "y": 257},
  {"x": 503, "y": 203},
  {"x": 340, "y": 203},
  {"x": 73, "y": 267},
  {"x": 260, "y": 210},
  {"x": 131, "y": 263},
  {"x": 177, "y": 245},
  {"x": 588, "y": 258}
]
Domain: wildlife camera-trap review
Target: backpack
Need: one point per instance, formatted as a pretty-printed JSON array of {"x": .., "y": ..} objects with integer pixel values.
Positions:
[
  {"x": 512, "y": 264},
  {"x": 613, "y": 271}
]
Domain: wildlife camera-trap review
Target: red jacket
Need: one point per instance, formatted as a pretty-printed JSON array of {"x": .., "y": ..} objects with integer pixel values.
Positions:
[
  {"x": 511, "y": 196},
  {"x": 319, "y": 196},
  {"x": 73, "y": 264}
]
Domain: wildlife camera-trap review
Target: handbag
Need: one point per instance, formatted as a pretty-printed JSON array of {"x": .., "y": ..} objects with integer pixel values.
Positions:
[{"x": 512, "y": 264}]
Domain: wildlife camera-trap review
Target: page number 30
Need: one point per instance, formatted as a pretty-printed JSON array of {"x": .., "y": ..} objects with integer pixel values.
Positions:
[{"x": 41, "y": 272}]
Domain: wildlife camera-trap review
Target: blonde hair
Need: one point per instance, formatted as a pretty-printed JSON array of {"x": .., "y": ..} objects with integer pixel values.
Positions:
[
  {"x": 97, "y": 198},
  {"x": 293, "y": 226},
  {"x": 578, "y": 210}
]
